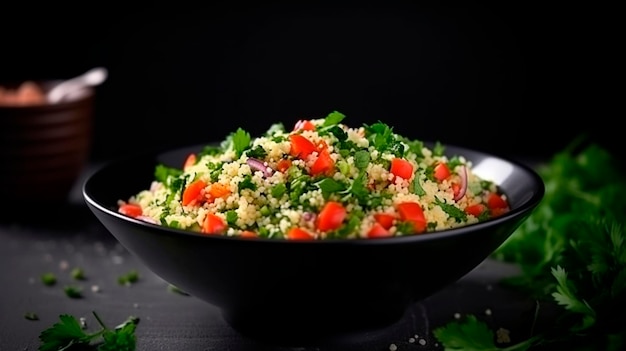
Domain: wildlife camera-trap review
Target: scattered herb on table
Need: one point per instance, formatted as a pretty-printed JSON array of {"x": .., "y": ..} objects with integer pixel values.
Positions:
[
  {"x": 128, "y": 278},
  {"x": 78, "y": 274},
  {"x": 73, "y": 291},
  {"x": 48, "y": 279},
  {"x": 572, "y": 255},
  {"x": 68, "y": 334},
  {"x": 31, "y": 316}
]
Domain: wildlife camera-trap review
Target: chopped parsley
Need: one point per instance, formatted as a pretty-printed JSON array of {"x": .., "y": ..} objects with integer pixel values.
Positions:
[
  {"x": 128, "y": 278},
  {"x": 73, "y": 291},
  {"x": 68, "y": 334},
  {"x": 49, "y": 279}
]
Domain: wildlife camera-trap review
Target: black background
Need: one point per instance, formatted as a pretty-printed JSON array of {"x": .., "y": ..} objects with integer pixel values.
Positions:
[{"x": 519, "y": 79}]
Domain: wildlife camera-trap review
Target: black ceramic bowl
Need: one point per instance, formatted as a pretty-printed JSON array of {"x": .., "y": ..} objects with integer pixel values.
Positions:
[{"x": 309, "y": 289}]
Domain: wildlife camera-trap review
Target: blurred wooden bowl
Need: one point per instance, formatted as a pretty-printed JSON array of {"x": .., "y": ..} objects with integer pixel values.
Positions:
[{"x": 44, "y": 147}]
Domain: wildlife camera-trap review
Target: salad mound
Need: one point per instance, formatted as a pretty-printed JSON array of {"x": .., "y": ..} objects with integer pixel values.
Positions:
[{"x": 321, "y": 179}]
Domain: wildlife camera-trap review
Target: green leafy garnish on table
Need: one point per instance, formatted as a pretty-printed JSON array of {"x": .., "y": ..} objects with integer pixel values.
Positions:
[
  {"x": 49, "y": 279},
  {"x": 67, "y": 334},
  {"x": 128, "y": 278},
  {"x": 571, "y": 252},
  {"x": 73, "y": 291}
]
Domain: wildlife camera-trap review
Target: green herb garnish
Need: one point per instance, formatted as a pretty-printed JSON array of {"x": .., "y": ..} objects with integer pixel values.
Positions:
[
  {"x": 128, "y": 278},
  {"x": 68, "y": 334},
  {"x": 78, "y": 274},
  {"x": 31, "y": 316},
  {"x": 73, "y": 291},
  {"x": 572, "y": 255},
  {"x": 49, "y": 279}
]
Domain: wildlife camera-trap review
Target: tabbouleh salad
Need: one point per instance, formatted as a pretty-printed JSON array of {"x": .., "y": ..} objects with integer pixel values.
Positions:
[{"x": 321, "y": 179}]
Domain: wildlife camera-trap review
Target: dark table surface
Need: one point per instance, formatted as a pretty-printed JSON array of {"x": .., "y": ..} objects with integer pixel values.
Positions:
[{"x": 60, "y": 238}]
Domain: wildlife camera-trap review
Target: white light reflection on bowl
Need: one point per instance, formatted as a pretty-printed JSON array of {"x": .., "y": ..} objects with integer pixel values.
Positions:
[{"x": 493, "y": 169}]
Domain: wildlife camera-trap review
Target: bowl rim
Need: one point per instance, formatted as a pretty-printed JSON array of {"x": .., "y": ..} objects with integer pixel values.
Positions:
[{"x": 524, "y": 208}]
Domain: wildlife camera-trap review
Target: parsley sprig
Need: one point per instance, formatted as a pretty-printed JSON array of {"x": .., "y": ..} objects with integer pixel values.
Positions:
[
  {"x": 67, "y": 334},
  {"x": 572, "y": 256}
]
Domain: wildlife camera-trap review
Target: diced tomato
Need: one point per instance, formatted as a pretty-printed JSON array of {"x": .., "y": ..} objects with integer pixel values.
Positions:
[
  {"x": 378, "y": 231},
  {"x": 131, "y": 210},
  {"x": 497, "y": 205},
  {"x": 496, "y": 201},
  {"x": 412, "y": 212},
  {"x": 401, "y": 168},
  {"x": 194, "y": 192},
  {"x": 301, "y": 147},
  {"x": 323, "y": 164},
  {"x": 213, "y": 224},
  {"x": 189, "y": 161},
  {"x": 498, "y": 211},
  {"x": 475, "y": 210},
  {"x": 299, "y": 234},
  {"x": 385, "y": 219},
  {"x": 331, "y": 216},
  {"x": 217, "y": 190},
  {"x": 248, "y": 234},
  {"x": 283, "y": 165},
  {"x": 304, "y": 124},
  {"x": 441, "y": 171}
]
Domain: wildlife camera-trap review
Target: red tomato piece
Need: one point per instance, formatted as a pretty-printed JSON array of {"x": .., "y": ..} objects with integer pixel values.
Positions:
[
  {"x": 331, "y": 216},
  {"x": 194, "y": 192},
  {"x": 324, "y": 164},
  {"x": 475, "y": 210},
  {"x": 441, "y": 172},
  {"x": 213, "y": 224},
  {"x": 299, "y": 234},
  {"x": 385, "y": 219},
  {"x": 248, "y": 234},
  {"x": 283, "y": 165},
  {"x": 412, "y": 212},
  {"x": 301, "y": 147},
  {"x": 378, "y": 231},
  {"x": 496, "y": 201},
  {"x": 401, "y": 168},
  {"x": 131, "y": 210}
]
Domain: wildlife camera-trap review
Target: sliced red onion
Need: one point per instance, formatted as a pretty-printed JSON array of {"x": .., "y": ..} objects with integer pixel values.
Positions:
[
  {"x": 463, "y": 175},
  {"x": 308, "y": 216},
  {"x": 258, "y": 165}
]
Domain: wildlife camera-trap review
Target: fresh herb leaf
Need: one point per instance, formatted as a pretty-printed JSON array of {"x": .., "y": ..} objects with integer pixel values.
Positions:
[
  {"x": 73, "y": 291},
  {"x": 257, "y": 152},
  {"x": 78, "y": 274},
  {"x": 247, "y": 183},
  {"x": 128, "y": 278},
  {"x": 470, "y": 334},
  {"x": 415, "y": 186},
  {"x": 333, "y": 118},
  {"x": 31, "y": 316},
  {"x": 49, "y": 279},
  {"x": 453, "y": 211},
  {"x": 329, "y": 186},
  {"x": 68, "y": 333},
  {"x": 572, "y": 252},
  {"x": 162, "y": 173},
  {"x": 361, "y": 159}
]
